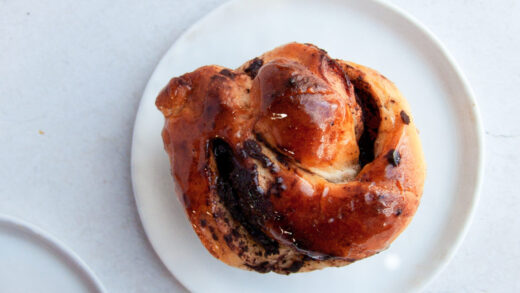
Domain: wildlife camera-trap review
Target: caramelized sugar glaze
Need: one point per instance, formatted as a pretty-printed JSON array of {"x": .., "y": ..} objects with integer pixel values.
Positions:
[{"x": 294, "y": 161}]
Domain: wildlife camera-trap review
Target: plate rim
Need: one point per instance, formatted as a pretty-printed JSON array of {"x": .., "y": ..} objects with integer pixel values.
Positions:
[
  {"x": 469, "y": 96},
  {"x": 56, "y": 245}
]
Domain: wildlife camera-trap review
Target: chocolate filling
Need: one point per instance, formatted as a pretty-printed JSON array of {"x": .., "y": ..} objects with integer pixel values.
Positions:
[
  {"x": 371, "y": 121},
  {"x": 253, "y": 149},
  {"x": 405, "y": 117},
  {"x": 240, "y": 192},
  {"x": 263, "y": 267}
]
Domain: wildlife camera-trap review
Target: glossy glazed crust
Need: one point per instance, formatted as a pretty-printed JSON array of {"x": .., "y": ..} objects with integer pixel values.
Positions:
[{"x": 294, "y": 161}]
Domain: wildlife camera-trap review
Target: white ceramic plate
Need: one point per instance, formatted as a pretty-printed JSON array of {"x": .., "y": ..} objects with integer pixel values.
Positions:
[
  {"x": 33, "y": 261},
  {"x": 367, "y": 32}
]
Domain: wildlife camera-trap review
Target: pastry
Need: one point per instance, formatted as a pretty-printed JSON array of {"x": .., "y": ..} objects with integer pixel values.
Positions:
[{"x": 294, "y": 161}]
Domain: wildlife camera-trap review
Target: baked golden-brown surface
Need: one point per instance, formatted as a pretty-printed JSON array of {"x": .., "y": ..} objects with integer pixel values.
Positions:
[{"x": 294, "y": 161}]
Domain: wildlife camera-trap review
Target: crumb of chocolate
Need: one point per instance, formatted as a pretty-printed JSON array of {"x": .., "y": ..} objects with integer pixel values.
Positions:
[
  {"x": 213, "y": 235},
  {"x": 295, "y": 266},
  {"x": 229, "y": 240},
  {"x": 393, "y": 157},
  {"x": 405, "y": 117}
]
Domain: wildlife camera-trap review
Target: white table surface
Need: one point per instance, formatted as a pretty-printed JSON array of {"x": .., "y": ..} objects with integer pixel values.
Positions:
[{"x": 72, "y": 74}]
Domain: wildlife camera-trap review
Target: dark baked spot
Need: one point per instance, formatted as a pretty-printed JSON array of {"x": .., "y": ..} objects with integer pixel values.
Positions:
[
  {"x": 228, "y": 73},
  {"x": 238, "y": 188},
  {"x": 181, "y": 81},
  {"x": 254, "y": 67},
  {"x": 393, "y": 157},
  {"x": 405, "y": 117},
  {"x": 203, "y": 223},
  {"x": 316, "y": 47},
  {"x": 398, "y": 212},
  {"x": 347, "y": 65}
]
